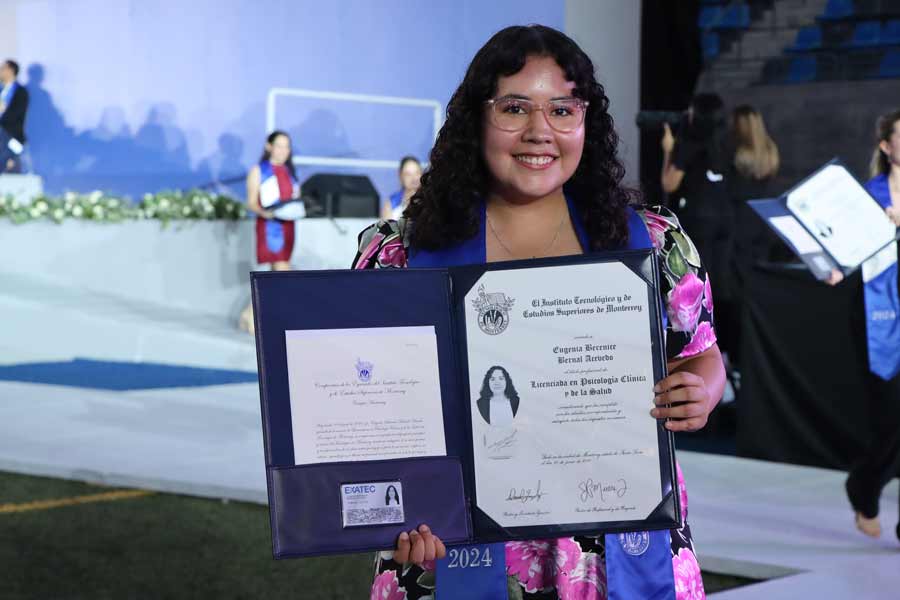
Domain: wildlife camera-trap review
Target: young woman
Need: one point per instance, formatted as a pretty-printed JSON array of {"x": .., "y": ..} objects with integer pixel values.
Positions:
[
  {"x": 272, "y": 180},
  {"x": 525, "y": 166},
  {"x": 753, "y": 168},
  {"x": 498, "y": 401},
  {"x": 756, "y": 156},
  {"x": 881, "y": 463},
  {"x": 410, "y": 173}
]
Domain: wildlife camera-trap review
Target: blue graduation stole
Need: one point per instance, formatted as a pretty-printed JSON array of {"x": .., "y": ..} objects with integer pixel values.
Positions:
[
  {"x": 638, "y": 564},
  {"x": 881, "y": 299},
  {"x": 473, "y": 572},
  {"x": 274, "y": 230}
]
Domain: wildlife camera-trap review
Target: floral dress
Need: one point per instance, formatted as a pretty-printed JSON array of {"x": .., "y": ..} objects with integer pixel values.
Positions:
[{"x": 573, "y": 567}]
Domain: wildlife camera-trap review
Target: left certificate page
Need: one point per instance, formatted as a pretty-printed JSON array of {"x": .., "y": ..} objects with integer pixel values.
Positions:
[{"x": 364, "y": 394}]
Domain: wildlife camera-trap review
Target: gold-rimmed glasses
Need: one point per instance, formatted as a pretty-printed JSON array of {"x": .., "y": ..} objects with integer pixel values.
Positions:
[{"x": 511, "y": 113}]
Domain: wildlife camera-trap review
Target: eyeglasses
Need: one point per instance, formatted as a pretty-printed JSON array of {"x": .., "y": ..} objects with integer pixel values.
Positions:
[{"x": 513, "y": 114}]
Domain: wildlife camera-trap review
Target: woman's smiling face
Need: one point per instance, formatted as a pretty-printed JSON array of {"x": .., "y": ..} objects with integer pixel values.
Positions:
[{"x": 535, "y": 162}]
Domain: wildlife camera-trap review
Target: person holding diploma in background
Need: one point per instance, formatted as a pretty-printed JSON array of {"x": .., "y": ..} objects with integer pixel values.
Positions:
[
  {"x": 525, "y": 167},
  {"x": 881, "y": 463},
  {"x": 272, "y": 180}
]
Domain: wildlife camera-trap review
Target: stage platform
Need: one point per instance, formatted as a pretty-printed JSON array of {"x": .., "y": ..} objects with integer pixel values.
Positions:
[{"x": 790, "y": 525}]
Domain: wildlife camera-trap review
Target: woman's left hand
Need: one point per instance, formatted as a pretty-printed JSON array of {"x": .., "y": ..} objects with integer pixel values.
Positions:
[
  {"x": 689, "y": 398},
  {"x": 418, "y": 546}
]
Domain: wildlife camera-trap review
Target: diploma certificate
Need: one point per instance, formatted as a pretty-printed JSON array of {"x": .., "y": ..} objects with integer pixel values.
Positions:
[
  {"x": 560, "y": 363},
  {"x": 364, "y": 394},
  {"x": 841, "y": 215}
]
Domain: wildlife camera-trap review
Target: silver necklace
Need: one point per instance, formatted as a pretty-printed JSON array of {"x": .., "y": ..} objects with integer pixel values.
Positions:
[{"x": 506, "y": 248}]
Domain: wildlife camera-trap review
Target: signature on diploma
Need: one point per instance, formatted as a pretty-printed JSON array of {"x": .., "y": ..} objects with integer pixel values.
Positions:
[
  {"x": 591, "y": 489},
  {"x": 505, "y": 442},
  {"x": 524, "y": 495}
]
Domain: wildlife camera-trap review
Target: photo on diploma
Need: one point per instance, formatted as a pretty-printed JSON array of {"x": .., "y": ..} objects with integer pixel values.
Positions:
[{"x": 497, "y": 403}]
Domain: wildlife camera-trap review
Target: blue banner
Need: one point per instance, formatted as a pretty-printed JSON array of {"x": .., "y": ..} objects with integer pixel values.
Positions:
[{"x": 473, "y": 572}]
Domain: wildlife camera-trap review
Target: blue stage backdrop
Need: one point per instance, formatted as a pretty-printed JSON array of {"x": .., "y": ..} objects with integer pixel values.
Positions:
[{"x": 133, "y": 97}]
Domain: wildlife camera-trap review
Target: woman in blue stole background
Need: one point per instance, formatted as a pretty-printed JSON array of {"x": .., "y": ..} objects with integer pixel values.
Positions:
[
  {"x": 271, "y": 181},
  {"x": 525, "y": 167},
  {"x": 881, "y": 463},
  {"x": 410, "y": 174}
]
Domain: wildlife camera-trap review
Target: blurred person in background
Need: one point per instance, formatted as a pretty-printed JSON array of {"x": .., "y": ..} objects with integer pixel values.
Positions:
[
  {"x": 269, "y": 182},
  {"x": 410, "y": 172},
  {"x": 694, "y": 175},
  {"x": 750, "y": 176},
  {"x": 13, "y": 106},
  {"x": 881, "y": 461}
]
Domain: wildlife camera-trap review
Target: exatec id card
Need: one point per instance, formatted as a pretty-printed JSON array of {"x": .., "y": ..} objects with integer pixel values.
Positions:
[{"x": 372, "y": 503}]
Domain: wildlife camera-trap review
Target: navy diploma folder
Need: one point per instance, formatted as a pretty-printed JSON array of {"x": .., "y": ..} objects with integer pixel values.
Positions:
[{"x": 305, "y": 501}]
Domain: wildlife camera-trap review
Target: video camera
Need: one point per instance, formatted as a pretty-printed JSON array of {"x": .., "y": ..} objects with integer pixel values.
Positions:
[{"x": 650, "y": 120}]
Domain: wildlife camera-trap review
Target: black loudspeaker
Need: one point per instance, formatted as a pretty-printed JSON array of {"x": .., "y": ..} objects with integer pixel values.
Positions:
[{"x": 333, "y": 195}]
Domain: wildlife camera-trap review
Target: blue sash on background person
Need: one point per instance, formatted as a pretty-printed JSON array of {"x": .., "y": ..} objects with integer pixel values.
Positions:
[
  {"x": 7, "y": 95},
  {"x": 639, "y": 565},
  {"x": 881, "y": 298},
  {"x": 269, "y": 181},
  {"x": 396, "y": 199}
]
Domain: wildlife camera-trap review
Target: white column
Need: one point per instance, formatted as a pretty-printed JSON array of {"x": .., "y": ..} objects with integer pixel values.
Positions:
[{"x": 610, "y": 32}]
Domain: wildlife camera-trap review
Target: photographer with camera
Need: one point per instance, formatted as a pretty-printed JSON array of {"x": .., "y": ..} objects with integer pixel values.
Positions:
[{"x": 695, "y": 167}]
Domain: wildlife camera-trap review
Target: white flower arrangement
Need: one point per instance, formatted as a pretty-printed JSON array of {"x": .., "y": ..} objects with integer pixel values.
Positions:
[{"x": 103, "y": 208}]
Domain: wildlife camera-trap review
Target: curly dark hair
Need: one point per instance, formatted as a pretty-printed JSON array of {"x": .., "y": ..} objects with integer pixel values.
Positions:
[{"x": 445, "y": 209}]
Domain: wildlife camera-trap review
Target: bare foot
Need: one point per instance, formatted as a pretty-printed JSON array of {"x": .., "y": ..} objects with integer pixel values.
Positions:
[{"x": 870, "y": 527}]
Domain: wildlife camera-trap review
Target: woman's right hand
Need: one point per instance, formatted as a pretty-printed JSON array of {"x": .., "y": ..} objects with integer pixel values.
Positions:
[
  {"x": 417, "y": 546},
  {"x": 267, "y": 214}
]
